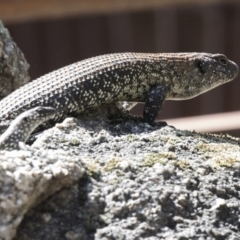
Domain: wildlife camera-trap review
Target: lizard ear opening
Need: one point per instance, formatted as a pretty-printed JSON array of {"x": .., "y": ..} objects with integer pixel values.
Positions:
[{"x": 200, "y": 66}]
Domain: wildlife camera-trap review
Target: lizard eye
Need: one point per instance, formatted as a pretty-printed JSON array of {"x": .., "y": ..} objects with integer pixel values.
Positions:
[{"x": 223, "y": 61}]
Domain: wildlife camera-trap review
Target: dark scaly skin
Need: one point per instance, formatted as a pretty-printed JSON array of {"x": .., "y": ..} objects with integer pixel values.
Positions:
[{"x": 138, "y": 77}]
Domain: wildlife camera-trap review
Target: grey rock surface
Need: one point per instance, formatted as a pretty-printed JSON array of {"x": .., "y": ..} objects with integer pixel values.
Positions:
[
  {"x": 13, "y": 66},
  {"x": 141, "y": 182},
  {"x": 28, "y": 177}
]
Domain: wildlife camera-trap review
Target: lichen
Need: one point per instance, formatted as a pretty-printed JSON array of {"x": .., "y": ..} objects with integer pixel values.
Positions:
[
  {"x": 161, "y": 157},
  {"x": 111, "y": 164}
]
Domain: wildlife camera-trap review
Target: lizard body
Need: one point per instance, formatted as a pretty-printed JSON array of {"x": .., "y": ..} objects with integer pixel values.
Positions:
[{"x": 137, "y": 77}]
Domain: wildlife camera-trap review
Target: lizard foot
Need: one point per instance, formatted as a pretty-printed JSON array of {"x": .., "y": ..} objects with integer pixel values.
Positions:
[{"x": 161, "y": 124}]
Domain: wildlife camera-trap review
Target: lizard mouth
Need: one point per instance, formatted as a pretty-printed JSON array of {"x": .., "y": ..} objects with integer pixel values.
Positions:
[
  {"x": 231, "y": 71},
  {"x": 234, "y": 68}
]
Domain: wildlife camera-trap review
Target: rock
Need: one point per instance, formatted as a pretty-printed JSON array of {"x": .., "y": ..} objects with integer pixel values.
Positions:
[
  {"x": 29, "y": 176},
  {"x": 13, "y": 66},
  {"x": 139, "y": 182}
]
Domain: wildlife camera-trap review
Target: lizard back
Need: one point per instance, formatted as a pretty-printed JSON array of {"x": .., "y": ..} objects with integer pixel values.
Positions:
[{"x": 79, "y": 85}]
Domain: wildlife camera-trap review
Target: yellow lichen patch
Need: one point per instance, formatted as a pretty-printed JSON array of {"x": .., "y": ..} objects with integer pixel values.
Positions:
[
  {"x": 166, "y": 138},
  {"x": 172, "y": 140},
  {"x": 220, "y": 155},
  {"x": 218, "y": 147},
  {"x": 92, "y": 167},
  {"x": 162, "y": 157},
  {"x": 132, "y": 138},
  {"x": 111, "y": 164},
  {"x": 183, "y": 163},
  {"x": 74, "y": 142},
  {"x": 225, "y": 161}
]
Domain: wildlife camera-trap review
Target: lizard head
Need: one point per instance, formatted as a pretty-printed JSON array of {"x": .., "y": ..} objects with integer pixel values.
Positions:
[{"x": 204, "y": 72}]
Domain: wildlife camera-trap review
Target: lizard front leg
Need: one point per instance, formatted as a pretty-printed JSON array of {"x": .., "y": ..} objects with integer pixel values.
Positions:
[{"x": 153, "y": 104}]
